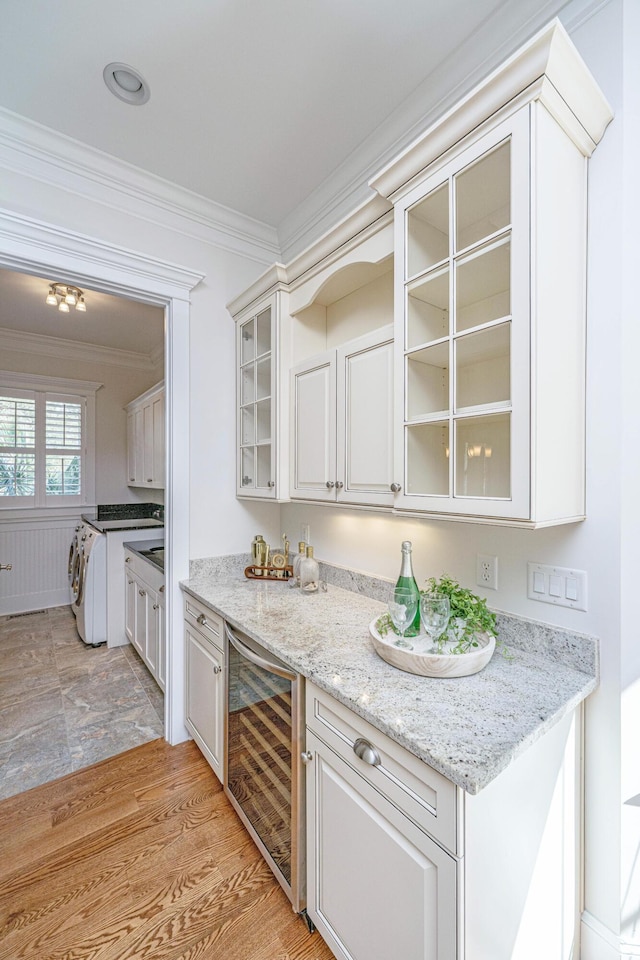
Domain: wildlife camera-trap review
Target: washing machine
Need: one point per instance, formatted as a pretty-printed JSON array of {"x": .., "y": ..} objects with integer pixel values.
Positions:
[{"x": 91, "y": 603}]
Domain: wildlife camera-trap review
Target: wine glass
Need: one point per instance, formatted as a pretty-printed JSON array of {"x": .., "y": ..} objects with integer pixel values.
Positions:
[
  {"x": 435, "y": 611},
  {"x": 402, "y": 610}
]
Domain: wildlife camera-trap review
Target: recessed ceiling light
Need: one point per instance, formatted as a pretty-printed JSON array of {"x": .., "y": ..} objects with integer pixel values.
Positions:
[{"x": 126, "y": 83}]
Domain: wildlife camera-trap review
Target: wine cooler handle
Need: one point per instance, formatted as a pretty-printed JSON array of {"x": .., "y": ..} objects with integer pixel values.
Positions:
[{"x": 259, "y": 661}]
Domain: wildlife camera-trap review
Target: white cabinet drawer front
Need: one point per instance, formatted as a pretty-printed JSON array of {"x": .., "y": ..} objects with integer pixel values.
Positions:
[
  {"x": 205, "y": 620},
  {"x": 420, "y": 792},
  {"x": 378, "y": 887}
]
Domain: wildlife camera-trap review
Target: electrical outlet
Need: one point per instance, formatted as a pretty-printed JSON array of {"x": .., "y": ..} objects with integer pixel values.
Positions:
[{"x": 487, "y": 571}]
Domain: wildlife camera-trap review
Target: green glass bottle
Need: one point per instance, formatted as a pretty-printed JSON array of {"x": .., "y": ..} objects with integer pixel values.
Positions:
[{"x": 407, "y": 581}]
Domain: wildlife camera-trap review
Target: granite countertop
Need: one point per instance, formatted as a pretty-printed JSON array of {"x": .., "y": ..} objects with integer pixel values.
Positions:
[{"x": 469, "y": 729}]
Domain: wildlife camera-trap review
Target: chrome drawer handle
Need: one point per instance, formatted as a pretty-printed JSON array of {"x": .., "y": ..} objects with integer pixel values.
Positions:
[
  {"x": 306, "y": 756},
  {"x": 127, "y": 559},
  {"x": 202, "y": 620},
  {"x": 217, "y": 669},
  {"x": 395, "y": 488},
  {"x": 155, "y": 606},
  {"x": 330, "y": 484},
  {"x": 142, "y": 593},
  {"x": 367, "y": 752},
  {"x": 339, "y": 484}
]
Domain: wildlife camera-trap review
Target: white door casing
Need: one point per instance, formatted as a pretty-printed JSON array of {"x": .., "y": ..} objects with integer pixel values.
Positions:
[{"x": 32, "y": 246}]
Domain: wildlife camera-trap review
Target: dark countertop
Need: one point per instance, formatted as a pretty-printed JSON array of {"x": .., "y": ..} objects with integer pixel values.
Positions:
[{"x": 130, "y": 523}]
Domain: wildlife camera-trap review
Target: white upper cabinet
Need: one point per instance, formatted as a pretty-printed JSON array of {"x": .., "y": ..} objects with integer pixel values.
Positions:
[
  {"x": 341, "y": 390},
  {"x": 145, "y": 439},
  {"x": 490, "y": 244},
  {"x": 342, "y": 423},
  {"x": 262, "y": 393}
]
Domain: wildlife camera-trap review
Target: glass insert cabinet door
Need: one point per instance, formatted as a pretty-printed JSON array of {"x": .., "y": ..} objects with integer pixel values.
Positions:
[
  {"x": 256, "y": 404},
  {"x": 463, "y": 344}
]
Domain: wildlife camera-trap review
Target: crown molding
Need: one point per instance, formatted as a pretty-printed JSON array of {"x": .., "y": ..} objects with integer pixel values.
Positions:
[
  {"x": 31, "y": 149},
  {"x": 22, "y": 342},
  {"x": 475, "y": 59},
  {"x": 36, "y": 381}
]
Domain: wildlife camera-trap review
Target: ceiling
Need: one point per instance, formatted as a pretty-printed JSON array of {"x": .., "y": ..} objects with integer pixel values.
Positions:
[
  {"x": 254, "y": 103},
  {"x": 108, "y": 321},
  {"x": 263, "y": 106}
]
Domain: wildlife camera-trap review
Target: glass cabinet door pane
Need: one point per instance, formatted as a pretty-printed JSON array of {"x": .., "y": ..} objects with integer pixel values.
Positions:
[
  {"x": 248, "y": 467},
  {"x": 248, "y": 387},
  {"x": 428, "y": 309},
  {"x": 263, "y": 421},
  {"x": 483, "y": 367},
  {"x": 248, "y": 342},
  {"x": 263, "y": 378},
  {"x": 483, "y": 192},
  {"x": 263, "y": 336},
  {"x": 428, "y": 381},
  {"x": 428, "y": 231},
  {"x": 428, "y": 458},
  {"x": 483, "y": 284},
  {"x": 483, "y": 456},
  {"x": 248, "y": 424},
  {"x": 263, "y": 453}
]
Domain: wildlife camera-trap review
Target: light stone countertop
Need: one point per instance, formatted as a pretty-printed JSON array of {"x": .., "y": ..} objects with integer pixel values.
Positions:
[{"x": 469, "y": 729}]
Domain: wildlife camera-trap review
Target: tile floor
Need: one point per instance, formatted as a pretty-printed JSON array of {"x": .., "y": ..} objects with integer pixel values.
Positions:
[{"x": 64, "y": 706}]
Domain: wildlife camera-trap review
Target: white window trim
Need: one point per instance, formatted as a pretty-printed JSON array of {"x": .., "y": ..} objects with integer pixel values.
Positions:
[{"x": 86, "y": 389}]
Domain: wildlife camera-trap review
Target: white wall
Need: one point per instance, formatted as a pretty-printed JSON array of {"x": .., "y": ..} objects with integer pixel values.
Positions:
[{"x": 120, "y": 385}]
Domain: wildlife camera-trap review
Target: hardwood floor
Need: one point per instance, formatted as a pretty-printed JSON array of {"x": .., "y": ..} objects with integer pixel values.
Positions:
[{"x": 140, "y": 857}]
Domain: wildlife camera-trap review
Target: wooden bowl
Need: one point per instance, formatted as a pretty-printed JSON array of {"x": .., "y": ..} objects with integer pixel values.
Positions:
[{"x": 444, "y": 665}]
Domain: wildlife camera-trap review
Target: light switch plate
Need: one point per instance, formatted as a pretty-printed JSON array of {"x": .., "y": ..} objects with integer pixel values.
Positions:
[{"x": 563, "y": 586}]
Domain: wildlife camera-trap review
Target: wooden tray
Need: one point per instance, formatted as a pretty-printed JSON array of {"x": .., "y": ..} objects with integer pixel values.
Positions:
[{"x": 255, "y": 572}]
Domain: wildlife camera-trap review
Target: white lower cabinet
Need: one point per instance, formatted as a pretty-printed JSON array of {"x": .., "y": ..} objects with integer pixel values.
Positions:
[
  {"x": 204, "y": 682},
  {"x": 378, "y": 887},
  {"x": 144, "y": 613},
  {"x": 401, "y": 863}
]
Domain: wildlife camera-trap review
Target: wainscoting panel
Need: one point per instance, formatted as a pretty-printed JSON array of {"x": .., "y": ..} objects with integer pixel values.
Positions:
[{"x": 38, "y": 551}]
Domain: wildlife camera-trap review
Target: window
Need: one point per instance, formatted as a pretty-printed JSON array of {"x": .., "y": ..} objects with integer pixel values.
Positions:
[{"x": 46, "y": 444}]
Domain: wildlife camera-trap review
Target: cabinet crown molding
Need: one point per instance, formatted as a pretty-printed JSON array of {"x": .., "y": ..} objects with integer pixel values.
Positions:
[{"x": 547, "y": 68}]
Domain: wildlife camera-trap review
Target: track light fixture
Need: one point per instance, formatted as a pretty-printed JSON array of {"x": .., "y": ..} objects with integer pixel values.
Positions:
[{"x": 63, "y": 296}]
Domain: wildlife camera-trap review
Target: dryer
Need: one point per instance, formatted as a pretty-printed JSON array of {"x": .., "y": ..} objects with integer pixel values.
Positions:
[
  {"x": 91, "y": 602},
  {"x": 73, "y": 569}
]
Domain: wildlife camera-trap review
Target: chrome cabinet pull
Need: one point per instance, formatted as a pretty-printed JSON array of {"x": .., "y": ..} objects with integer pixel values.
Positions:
[
  {"x": 142, "y": 593},
  {"x": 367, "y": 752},
  {"x": 161, "y": 590},
  {"x": 271, "y": 483},
  {"x": 339, "y": 484},
  {"x": 202, "y": 620},
  {"x": 6, "y": 566},
  {"x": 217, "y": 669},
  {"x": 306, "y": 756},
  {"x": 155, "y": 606},
  {"x": 395, "y": 488},
  {"x": 127, "y": 559},
  {"x": 330, "y": 484}
]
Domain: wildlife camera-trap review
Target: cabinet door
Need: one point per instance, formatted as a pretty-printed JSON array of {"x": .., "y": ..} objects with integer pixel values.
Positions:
[
  {"x": 377, "y": 886},
  {"x": 141, "y": 618},
  {"x": 257, "y": 404},
  {"x": 204, "y": 676},
  {"x": 463, "y": 331},
  {"x": 130, "y": 586},
  {"x": 152, "y": 646},
  {"x": 157, "y": 429},
  {"x": 132, "y": 450},
  {"x": 162, "y": 644},
  {"x": 365, "y": 419},
  {"x": 313, "y": 424}
]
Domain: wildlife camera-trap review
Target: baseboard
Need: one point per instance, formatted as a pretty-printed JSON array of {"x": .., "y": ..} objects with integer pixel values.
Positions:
[
  {"x": 597, "y": 942},
  {"x": 34, "y": 601}
]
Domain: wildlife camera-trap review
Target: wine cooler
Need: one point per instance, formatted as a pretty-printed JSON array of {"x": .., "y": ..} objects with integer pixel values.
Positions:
[{"x": 263, "y": 776}]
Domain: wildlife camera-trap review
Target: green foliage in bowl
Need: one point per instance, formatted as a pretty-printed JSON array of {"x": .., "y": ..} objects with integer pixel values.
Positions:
[{"x": 469, "y": 615}]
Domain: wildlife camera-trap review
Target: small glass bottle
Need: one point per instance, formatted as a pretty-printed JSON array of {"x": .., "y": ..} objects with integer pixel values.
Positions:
[
  {"x": 301, "y": 554},
  {"x": 407, "y": 581},
  {"x": 309, "y": 572}
]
